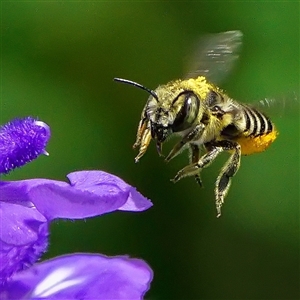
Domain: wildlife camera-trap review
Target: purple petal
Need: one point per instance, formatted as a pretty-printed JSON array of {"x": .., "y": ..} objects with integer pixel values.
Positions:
[
  {"x": 21, "y": 141},
  {"x": 82, "y": 276},
  {"x": 23, "y": 238},
  {"x": 16, "y": 192},
  {"x": 135, "y": 201},
  {"x": 89, "y": 193}
]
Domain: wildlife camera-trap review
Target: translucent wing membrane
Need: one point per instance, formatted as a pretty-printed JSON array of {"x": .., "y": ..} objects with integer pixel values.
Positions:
[
  {"x": 288, "y": 105},
  {"x": 214, "y": 55}
]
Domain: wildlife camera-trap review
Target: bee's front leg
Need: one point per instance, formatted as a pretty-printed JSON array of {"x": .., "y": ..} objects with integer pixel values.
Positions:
[
  {"x": 143, "y": 138},
  {"x": 194, "y": 134}
]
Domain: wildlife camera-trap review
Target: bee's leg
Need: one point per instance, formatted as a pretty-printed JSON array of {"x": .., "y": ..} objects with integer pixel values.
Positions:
[
  {"x": 228, "y": 171},
  {"x": 194, "y": 134},
  {"x": 204, "y": 161},
  {"x": 224, "y": 179},
  {"x": 195, "y": 154},
  {"x": 144, "y": 143},
  {"x": 141, "y": 129}
]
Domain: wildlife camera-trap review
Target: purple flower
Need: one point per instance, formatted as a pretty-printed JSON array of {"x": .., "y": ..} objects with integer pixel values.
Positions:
[
  {"x": 21, "y": 141},
  {"x": 26, "y": 209},
  {"x": 82, "y": 276}
]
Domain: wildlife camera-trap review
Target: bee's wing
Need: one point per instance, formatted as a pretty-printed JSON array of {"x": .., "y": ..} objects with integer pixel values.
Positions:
[
  {"x": 287, "y": 105},
  {"x": 214, "y": 55}
]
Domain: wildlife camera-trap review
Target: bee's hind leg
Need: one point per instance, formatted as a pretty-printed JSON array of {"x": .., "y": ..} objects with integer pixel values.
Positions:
[
  {"x": 228, "y": 171},
  {"x": 224, "y": 179}
]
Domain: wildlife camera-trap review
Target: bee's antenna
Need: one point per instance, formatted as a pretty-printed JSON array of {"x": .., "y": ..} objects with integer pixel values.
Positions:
[{"x": 151, "y": 92}]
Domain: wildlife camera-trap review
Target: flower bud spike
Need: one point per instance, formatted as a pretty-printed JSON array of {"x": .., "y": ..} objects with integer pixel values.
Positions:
[{"x": 21, "y": 141}]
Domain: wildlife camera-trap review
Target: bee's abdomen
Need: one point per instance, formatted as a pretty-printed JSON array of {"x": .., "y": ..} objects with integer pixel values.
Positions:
[
  {"x": 256, "y": 123},
  {"x": 259, "y": 132}
]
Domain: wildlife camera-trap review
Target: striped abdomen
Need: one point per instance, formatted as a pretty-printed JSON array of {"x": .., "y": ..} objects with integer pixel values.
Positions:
[
  {"x": 256, "y": 132},
  {"x": 259, "y": 132},
  {"x": 256, "y": 123}
]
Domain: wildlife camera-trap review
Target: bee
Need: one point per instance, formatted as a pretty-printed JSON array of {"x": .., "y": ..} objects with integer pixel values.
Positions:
[{"x": 206, "y": 118}]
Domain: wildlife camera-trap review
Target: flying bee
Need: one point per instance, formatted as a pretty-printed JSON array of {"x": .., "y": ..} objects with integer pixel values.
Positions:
[{"x": 204, "y": 116}]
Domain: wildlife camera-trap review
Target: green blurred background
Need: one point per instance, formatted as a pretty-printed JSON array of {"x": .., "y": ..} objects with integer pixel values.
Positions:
[{"x": 58, "y": 62}]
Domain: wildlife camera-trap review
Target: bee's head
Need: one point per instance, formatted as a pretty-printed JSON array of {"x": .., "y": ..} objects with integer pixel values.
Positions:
[
  {"x": 168, "y": 110},
  {"x": 171, "y": 111}
]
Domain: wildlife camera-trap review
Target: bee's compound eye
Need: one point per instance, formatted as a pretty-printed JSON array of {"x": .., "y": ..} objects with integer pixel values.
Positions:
[{"x": 188, "y": 111}]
